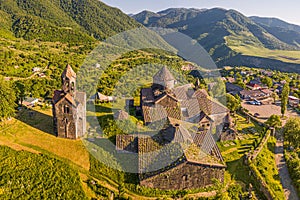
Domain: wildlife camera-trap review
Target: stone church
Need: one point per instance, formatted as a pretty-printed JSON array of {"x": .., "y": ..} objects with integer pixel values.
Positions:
[
  {"x": 69, "y": 108},
  {"x": 192, "y": 123}
]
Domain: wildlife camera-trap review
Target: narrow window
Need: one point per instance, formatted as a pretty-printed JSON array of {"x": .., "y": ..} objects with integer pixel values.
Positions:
[
  {"x": 72, "y": 86},
  {"x": 66, "y": 109}
]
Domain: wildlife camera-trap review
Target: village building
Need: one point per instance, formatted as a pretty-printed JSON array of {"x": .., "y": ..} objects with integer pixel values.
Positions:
[
  {"x": 191, "y": 123},
  {"x": 258, "y": 94},
  {"x": 30, "y": 101},
  {"x": 69, "y": 108},
  {"x": 233, "y": 89},
  {"x": 293, "y": 101},
  {"x": 255, "y": 81},
  {"x": 253, "y": 86},
  {"x": 101, "y": 98},
  {"x": 252, "y": 94},
  {"x": 230, "y": 79}
]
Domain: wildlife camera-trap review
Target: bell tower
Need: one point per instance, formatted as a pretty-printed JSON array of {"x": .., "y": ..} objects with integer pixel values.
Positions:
[{"x": 68, "y": 78}]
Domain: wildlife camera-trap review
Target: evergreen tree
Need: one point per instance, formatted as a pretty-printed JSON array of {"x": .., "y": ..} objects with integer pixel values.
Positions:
[{"x": 284, "y": 98}]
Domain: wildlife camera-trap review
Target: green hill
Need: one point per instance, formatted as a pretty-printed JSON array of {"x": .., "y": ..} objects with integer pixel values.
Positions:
[
  {"x": 64, "y": 21},
  {"x": 48, "y": 34},
  {"x": 226, "y": 33}
]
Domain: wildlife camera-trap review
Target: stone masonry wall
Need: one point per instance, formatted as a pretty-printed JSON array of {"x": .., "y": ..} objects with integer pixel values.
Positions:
[{"x": 185, "y": 176}]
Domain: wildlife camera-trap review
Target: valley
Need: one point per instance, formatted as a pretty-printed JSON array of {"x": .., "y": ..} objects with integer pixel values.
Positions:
[{"x": 221, "y": 131}]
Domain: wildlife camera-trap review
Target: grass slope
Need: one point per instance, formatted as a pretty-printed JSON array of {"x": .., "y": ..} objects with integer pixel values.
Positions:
[
  {"x": 36, "y": 133},
  {"x": 26, "y": 175}
]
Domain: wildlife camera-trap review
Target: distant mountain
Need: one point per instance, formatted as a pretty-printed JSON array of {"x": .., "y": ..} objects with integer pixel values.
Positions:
[
  {"x": 274, "y": 22},
  {"x": 223, "y": 32},
  {"x": 62, "y": 20},
  {"x": 286, "y": 32}
]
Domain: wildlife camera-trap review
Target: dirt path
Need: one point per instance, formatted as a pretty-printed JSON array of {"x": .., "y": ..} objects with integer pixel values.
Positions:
[{"x": 289, "y": 190}]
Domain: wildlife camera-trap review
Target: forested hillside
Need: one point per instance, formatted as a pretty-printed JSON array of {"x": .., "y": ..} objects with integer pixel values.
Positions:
[
  {"x": 63, "y": 21},
  {"x": 47, "y": 34}
]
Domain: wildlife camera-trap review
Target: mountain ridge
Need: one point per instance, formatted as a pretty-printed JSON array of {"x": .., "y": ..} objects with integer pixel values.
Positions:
[{"x": 221, "y": 32}]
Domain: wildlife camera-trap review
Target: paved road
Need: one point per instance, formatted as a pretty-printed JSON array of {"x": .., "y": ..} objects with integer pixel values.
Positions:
[{"x": 289, "y": 190}]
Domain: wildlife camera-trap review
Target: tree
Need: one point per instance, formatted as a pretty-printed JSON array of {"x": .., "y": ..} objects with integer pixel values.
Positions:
[
  {"x": 233, "y": 104},
  {"x": 274, "y": 96},
  {"x": 274, "y": 121},
  {"x": 284, "y": 98},
  {"x": 292, "y": 131},
  {"x": 19, "y": 88},
  {"x": 7, "y": 100},
  {"x": 268, "y": 81}
]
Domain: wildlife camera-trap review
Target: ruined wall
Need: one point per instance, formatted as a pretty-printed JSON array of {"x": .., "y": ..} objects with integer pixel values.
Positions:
[{"x": 185, "y": 176}]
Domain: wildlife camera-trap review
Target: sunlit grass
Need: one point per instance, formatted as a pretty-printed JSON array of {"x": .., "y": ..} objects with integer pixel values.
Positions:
[{"x": 36, "y": 135}]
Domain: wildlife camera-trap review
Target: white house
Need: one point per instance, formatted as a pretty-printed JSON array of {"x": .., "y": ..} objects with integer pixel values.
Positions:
[{"x": 293, "y": 101}]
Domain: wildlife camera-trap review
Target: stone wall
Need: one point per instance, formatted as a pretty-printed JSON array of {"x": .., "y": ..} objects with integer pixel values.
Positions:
[{"x": 185, "y": 176}]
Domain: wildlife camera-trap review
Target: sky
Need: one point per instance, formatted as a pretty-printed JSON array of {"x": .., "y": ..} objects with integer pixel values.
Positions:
[{"x": 287, "y": 10}]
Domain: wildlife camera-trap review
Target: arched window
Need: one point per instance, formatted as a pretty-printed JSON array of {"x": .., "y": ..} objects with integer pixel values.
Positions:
[{"x": 66, "y": 109}]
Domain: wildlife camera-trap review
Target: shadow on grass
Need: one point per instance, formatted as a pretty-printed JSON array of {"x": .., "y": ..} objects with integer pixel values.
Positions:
[
  {"x": 106, "y": 158},
  {"x": 102, "y": 108},
  {"x": 37, "y": 119}
]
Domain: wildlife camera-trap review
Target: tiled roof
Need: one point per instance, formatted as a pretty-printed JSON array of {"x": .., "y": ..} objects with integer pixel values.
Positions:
[
  {"x": 211, "y": 107},
  {"x": 153, "y": 113},
  {"x": 68, "y": 72},
  {"x": 183, "y": 92},
  {"x": 180, "y": 140},
  {"x": 70, "y": 99},
  {"x": 171, "y": 146},
  {"x": 80, "y": 97},
  {"x": 163, "y": 75},
  {"x": 205, "y": 141},
  {"x": 201, "y": 93},
  {"x": 267, "y": 91},
  {"x": 252, "y": 93},
  {"x": 166, "y": 96},
  {"x": 58, "y": 94},
  {"x": 193, "y": 107},
  {"x": 127, "y": 143},
  {"x": 233, "y": 88},
  {"x": 147, "y": 95}
]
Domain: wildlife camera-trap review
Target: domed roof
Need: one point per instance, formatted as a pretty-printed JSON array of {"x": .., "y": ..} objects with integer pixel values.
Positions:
[{"x": 163, "y": 75}]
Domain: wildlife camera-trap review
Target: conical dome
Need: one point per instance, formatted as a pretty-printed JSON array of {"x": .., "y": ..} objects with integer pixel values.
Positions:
[
  {"x": 164, "y": 78},
  {"x": 69, "y": 72}
]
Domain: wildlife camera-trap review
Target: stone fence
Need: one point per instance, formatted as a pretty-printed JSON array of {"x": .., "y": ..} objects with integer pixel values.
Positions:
[{"x": 259, "y": 179}]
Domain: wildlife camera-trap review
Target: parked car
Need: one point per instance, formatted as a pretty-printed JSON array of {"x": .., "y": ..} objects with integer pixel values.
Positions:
[{"x": 256, "y": 115}]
